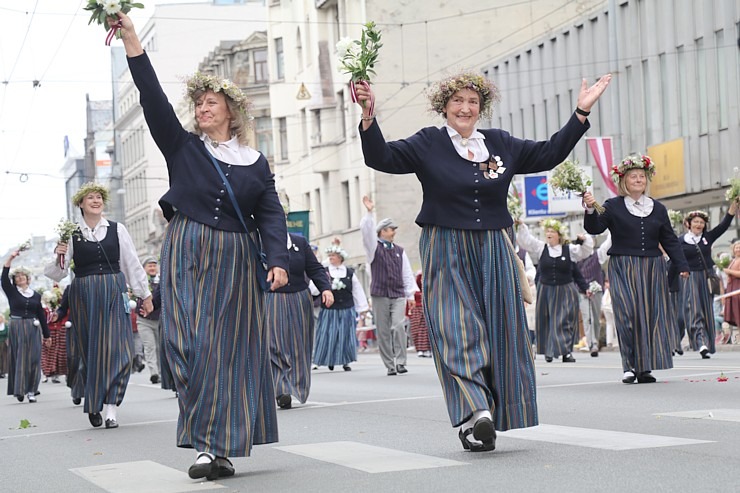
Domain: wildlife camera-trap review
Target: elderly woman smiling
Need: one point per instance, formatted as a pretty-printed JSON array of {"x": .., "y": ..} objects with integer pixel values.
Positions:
[{"x": 472, "y": 297}]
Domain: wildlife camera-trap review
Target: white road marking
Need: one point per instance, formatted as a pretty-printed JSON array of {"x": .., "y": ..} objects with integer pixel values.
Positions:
[
  {"x": 368, "y": 458},
  {"x": 711, "y": 414},
  {"x": 601, "y": 439},
  {"x": 142, "y": 477},
  {"x": 88, "y": 428}
]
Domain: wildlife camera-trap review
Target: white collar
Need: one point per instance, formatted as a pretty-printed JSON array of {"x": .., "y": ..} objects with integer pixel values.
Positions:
[
  {"x": 27, "y": 292},
  {"x": 84, "y": 227},
  {"x": 641, "y": 202},
  {"x": 232, "y": 143},
  {"x": 455, "y": 135},
  {"x": 694, "y": 238}
]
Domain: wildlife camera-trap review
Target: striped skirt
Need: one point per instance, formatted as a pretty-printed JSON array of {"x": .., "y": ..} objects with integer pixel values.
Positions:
[
  {"x": 419, "y": 330},
  {"x": 698, "y": 311},
  {"x": 214, "y": 336},
  {"x": 54, "y": 358},
  {"x": 478, "y": 326},
  {"x": 639, "y": 291},
  {"x": 336, "y": 342},
  {"x": 289, "y": 318},
  {"x": 166, "y": 380},
  {"x": 675, "y": 310},
  {"x": 103, "y": 337},
  {"x": 556, "y": 325},
  {"x": 74, "y": 378},
  {"x": 24, "y": 372}
]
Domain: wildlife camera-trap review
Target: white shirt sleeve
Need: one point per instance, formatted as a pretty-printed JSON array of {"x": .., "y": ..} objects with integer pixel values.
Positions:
[
  {"x": 313, "y": 289},
  {"x": 528, "y": 242},
  {"x": 529, "y": 268},
  {"x": 130, "y": 265},
  {"x": 579, "y": 252},
  {"x": 369, "y": 236},
  {"x": 358, "y": 296},
  {"x": 601, "y": 251},
  {"x": 409, "y": 282}
]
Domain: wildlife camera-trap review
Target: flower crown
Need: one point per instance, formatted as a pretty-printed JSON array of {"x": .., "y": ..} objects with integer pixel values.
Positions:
[
  {"x": 561, "y": 228},
  {"x": 200, "y": 82},
  {"x": 633, "y": 162},
  {"x": 338, "y": 250},
  {"x": 441, "y": 92},
  {"x": 90, "y": 187},
  {"x": 692, "y": 214}
]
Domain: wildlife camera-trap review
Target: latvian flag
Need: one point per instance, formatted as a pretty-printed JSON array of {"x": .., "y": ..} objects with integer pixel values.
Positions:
[{"x": 601, "y": 148}]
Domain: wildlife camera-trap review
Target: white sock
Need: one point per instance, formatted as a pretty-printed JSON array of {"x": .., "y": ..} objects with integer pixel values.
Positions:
[
  {"x": 628, "y": 374},
  {"x": 110, "y": 411},
  {"x": 475, "y": 417},
  {"x": 205, "y": 458}
]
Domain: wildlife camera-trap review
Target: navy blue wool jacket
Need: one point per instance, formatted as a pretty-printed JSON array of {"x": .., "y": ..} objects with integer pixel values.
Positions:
[
  {"x": 637, "y": 236},
  {"x": 196, "y": 189},
  {"x": 303, "y": 264},
  {"x": 456, "y": 195}
]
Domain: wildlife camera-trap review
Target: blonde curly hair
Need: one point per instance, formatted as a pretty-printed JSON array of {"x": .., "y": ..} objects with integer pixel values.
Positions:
[{"x": 442, "y": 91}]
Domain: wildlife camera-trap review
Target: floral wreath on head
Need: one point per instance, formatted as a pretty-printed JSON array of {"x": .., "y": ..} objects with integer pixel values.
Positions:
[
  {"x": 200, "y": 82},
  {"x": 692, "y": 214},
  {"x": 441, "y": 92},
  {"x": 556, "y": 225},
  {"x": 338, "y": 250},
  {"x": 87, "y": 188},
  {"x": 634, "y": 161},
  {"x": 22, "y": 271}
]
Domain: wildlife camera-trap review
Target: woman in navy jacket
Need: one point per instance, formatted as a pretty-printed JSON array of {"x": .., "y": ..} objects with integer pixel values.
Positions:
[
  {"x": 638, "y": 278},
  {"x": 212, "y": 305},
  {"x": 472, "y": 298},
  {"x": 698, "y": 311}
]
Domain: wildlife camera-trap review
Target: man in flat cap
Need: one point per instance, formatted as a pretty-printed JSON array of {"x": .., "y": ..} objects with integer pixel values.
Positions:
[
  {"x": 149, "y": 325},
  {"x": 392, "y": 286}
]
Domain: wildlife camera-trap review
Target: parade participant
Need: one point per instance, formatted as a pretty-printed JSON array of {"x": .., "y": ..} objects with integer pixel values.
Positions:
[
  {"x": 418, "y": 324},
  {"x": 54, "y": 357},
  {"x": 105, "y": 262},
  {"x": 556, "y": 325},
  {"x": 732, "y": 303},
  {"x": 212, "y": 298},
  {"x": 472, "y": 296},
  {"x": 336, "y": 343},
  {"x": 3, "y": 347},
  {"x": 590, "y": 306},
  {"x": 697, "y": 303},
  {"x": 392, "y": 287},
  {"x": 26, "y": 315},
  {"x": 148, "y": 325},
  {"x": 637, "y": 272},
  {"x": 289, "y": 318}
]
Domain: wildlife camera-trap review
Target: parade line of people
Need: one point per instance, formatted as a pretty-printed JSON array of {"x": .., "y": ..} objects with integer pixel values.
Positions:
[{"x": 229, "y": 324}]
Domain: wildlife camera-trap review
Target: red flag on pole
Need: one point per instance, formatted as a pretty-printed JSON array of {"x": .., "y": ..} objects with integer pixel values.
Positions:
[{"x": 601, "y": 148}]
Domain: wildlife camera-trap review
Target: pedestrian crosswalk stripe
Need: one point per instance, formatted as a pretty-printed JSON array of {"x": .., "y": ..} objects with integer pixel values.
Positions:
[
  {"x": 142, "y": 477},
  {"x": 712, "y": 414},
  {"x": 368, "y": 458},
  {"x": 601, "y": 439}
]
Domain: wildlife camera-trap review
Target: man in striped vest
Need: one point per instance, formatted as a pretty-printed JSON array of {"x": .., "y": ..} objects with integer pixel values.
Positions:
[{"x": 392, "y": 286}]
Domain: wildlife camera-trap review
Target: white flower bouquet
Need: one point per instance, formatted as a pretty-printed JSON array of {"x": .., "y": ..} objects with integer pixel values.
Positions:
[
  {"x": 358, "y": 57},
  {"x": 65, "y": 229},
  {"x": 568, "y": 177},
  {"x": 104, "y": 9},
  {"x": 594, "y": 287}
]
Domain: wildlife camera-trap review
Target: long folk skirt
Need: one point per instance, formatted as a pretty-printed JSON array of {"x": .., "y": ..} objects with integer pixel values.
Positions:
[
  {"x": 556, "y": 325},
  {"x": 103, "y": 337},
  {"x": 639, "y": 290},
  {"x": 75, "y": 381},
  {"x": 478, "y": 326},
  {"x": 54, "y": 358},
  {"x": 336, "y": 339},
  {"x": 215, "y": 338},
  {"x": 166, "y": 380},
  {"x": 289, "y": 318},
  {"x": 24, "y": 372},
  {"x": 698, "y": 311}
]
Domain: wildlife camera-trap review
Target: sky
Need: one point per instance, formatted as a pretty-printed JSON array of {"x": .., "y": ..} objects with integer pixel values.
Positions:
[{"x": 49, "y": 60}]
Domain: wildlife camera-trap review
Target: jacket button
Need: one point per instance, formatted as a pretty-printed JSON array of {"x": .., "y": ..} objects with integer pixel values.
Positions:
[
  {"x": 476, "y": 181},
  {"x": 477, "y": 220},
  {"x": 477, "y": 210},
  {"x": 215, "y": 218},
  {"x": 216, "y": 209},
  {"x": 475, "y": 191},
  {"x": 475, "y": 200}
]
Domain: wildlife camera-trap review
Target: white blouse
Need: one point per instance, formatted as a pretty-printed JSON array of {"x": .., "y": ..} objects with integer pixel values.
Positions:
[
  {"x": 474, "y": 144},
  {"x": 536, "y": 246},
  {"x": 641, "y": 207},
  {"x": 358, "y": 294},
  {"x": 231, "y": 152}
]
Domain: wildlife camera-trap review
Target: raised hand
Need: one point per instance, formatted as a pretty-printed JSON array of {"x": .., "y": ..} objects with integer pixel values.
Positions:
[
  {"x": 368, "y": 203},
  {"x": 588, "y": 96}
]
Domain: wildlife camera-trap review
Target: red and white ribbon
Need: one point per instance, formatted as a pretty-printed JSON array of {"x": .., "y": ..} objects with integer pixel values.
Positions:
[
  {"x": 112, "y": 33},
  {"x": 353, "y": 93}
]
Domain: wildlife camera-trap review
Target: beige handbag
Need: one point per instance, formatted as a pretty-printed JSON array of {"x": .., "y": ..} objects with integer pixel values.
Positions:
[{"x": 527, "y": 294}]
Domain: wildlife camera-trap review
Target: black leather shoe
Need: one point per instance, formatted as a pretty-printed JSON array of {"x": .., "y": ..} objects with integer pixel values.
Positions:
[
  {"x": 225, "y": 467},
  {"x": 208, "y": 470},
  {"x": 154, "y": 379},
  {"x": 487, "y": 445},
  {"x": 111, "y": 423},
  {"x": 284, "y": 401},
  {"x": 548, "y": 359},
  {"x": 331, "y": 367},
  {"x": 391, "y": 372},
  {"x": 704, "y": 353},
  {"x": 645, "y": 377},
  {"x": 95, "y": 419},
  {"x": 76, "y": 401},
  {"x": 568, "y": 358},
  {"x": 595, "y": 351},
  {"x": 401, "y": 369},
  {"x": 346, "y": 368},
  {"x": 20, "y": 397},
  {"x": 629, "y": 378},
  {"x": 679, "y": 352}
]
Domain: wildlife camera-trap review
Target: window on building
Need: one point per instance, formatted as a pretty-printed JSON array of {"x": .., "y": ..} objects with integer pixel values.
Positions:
[
  {"x": 342, "y": 114},
  {"x": 701, "y": 73},
  {"x": 279, "y": 59},
  {"x": 683, "y": 92},
  {"x": 261, "y": 75},
  {"x": 630, "y": 111},
  {"x": 347, "y": 205},
  {"x": 263, "y": 134},
  {"x": 722, "y": 91},
  {"x": 318, "y": 209},
  {"x": 304, "y": 132},
  {"x": 665, "y": 99},
  {"x": 647, "y": 98},
  {"x": 283, "y": 132},
  {"x": 316, "y": 127},
  {"x": 299, "y": 49}
]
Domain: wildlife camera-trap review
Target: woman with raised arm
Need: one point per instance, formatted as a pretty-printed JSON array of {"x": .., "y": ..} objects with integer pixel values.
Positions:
[
  {"x": 472, "y": 297},
  {"x": 221, "y": 200},
  {"x": 638, "y": 279}
]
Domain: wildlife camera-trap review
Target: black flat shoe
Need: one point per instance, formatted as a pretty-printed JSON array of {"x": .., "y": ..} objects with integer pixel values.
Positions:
[
  {"x": 20, "y": 398},
  {"x": 401, "y": 369},
  {"x": 548, "y": 359},
  {"x": 76, "y": 401},
  {"x": 208, "y": 470},
  {"x": 568, "y": 358},
  {"x": 679, "y": 352},
  {"x": 95, "y": 419},
  {"x": 331, "y": 367},
  {"x": 111, "y": 423},
  {"x": 629, "y": 379},
  {"x": 704, "y": 353},
  {"x": 225, "y": 467},
  {"x": 284, "y": 401},
  {"x": 346, "y": 368},
  {"x": 645, "y": 377},
  {"x": 476, "y": 447},
  {"x": 391, "y": 372}
]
